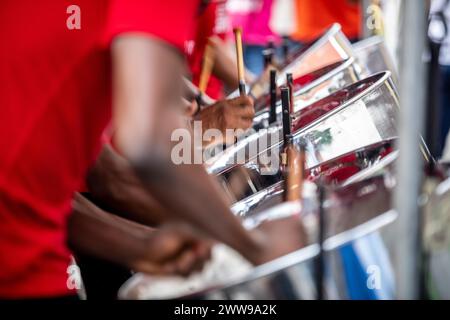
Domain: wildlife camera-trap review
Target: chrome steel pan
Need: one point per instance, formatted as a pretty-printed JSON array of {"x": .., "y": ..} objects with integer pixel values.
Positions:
[
  {"x": 328, "y": 49},
  {"x": 352, "y": 167},
  {"x": 356, "y": 116},
  {"x": 357, "y": 218},
  {"x": 372, "y": 55},
  {"x": 352, "y": 217},
  {"x": 311, "y": 87},
  {"x": 331, "y": 47}
]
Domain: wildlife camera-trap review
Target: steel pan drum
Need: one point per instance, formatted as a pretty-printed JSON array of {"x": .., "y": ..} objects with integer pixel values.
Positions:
[
  {"x": 352, "y": 167},
  {"x": 356, "y": 116},
  {"x": 357, "y": 216},
  {"x": 354, "y": 215},
  {"x": 372, "y": 55},
  {"x": 330, "y": 48},
  {"x": 311, "y": 87}
]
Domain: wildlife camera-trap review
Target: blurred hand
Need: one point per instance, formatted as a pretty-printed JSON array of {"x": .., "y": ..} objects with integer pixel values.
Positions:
[
  {"x": 236, "y": 113},
  {"x": 173, "y": 249},
  {"x": 278, "y": 238},
  {"x": 261, "y": 85},
  {"x": 189, "y": 107}
]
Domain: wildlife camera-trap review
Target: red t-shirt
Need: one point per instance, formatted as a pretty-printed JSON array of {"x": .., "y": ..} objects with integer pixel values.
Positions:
[
  {"x": 212, "y": 21},
  {"x": 55, "y": 103}
]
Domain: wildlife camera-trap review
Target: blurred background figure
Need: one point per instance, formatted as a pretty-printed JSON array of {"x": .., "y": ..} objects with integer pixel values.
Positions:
[
  {"x": 266, "y": 22},
  {"x": 254, "y": 17},
  {"x": 212, "y": 21},
  {"x": 440, "y": 11}
]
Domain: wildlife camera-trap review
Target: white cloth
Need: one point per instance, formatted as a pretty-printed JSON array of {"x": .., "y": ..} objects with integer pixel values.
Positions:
[{"x": 225, "y": 266}]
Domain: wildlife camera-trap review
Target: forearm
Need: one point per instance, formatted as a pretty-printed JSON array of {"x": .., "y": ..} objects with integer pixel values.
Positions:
[
  {"x": 226, "y": 71},
  {"x": 113, "y": 182},
  {"x": 190, "y": 194},
  {"x": 145, "y": 121},
  {"x": 114, "y": 185},
  {"x": 132, "y": 203},
  {"x": 225, "y": 66},
  {"x": 97, "y": 233}
]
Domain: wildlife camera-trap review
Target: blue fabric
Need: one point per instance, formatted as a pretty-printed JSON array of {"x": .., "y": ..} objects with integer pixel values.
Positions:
[
  {"x": 355, "y": 275},
  {"x": 253, "y": 58},
  {"x": 367, "y": 268}
]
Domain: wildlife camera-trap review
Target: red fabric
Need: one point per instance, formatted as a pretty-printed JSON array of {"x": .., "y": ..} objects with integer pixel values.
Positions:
[
  {"x": 55, "y": 103},
  {"x": 212, "y": 21},
  {"x": 170, "y": 20}
]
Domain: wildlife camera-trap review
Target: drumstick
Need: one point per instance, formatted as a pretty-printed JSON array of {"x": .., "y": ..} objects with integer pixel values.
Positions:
[
  {"x": 295, "y": 175},
  {"x": 302, "y": 159},
  {"x": 290, "y": 84},
  {"x": 286, "y": 117},
  {"x": 273, "y": 97},
  {"x": 207, "y": 66},
  {"x": 240, "y": 59}
]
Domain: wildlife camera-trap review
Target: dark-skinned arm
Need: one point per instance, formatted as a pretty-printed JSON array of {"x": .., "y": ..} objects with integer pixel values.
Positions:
[
  {"x": 225, "y": 66},
  {"x": 147, "y": 86},
  {"x": 114, "y": 185},
  {"x": 172, "y": 249}
]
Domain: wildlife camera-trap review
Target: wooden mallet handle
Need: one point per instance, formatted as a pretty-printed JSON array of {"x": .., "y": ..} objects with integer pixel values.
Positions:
[
  {"x": 207, "y": 66},
  {"x": 240, "y": 59},
  {"x": 295, "y": 176}
]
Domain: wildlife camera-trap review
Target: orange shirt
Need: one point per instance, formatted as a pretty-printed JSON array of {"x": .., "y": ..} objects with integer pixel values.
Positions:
[{"x": 315, "y": 16}]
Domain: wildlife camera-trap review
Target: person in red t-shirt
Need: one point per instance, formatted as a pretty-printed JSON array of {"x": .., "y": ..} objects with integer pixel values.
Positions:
[
  {"x": 55, "y": 98},
  {"x": 212, "y": 29},
  {"x": 55, "y": 95},
  {"x": 211, "y": 22}
]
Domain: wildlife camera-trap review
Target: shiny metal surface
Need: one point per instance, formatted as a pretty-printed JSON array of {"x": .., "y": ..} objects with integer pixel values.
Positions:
[
  {"x": 355, "y": 214},
  {"x": 289, "y": 277},
  {"x": 356, "y": 116},
  {"x": 349, "y": 168},
  {"x": 333, "y": 46},
  {"x": 330, "y": 48},
  {"x": 311, "y": 87},
  {"x": 372, "y": 55}
]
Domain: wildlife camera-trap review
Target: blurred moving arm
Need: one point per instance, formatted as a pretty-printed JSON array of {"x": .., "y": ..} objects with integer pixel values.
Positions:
[{"x": 173, "y": 249}]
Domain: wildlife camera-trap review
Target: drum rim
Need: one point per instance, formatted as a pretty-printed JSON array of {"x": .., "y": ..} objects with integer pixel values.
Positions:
[{"x": 304, "y": 254}]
